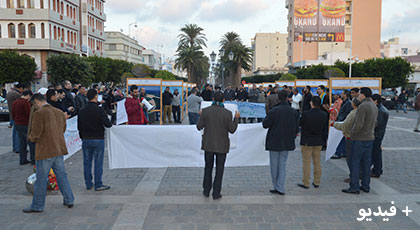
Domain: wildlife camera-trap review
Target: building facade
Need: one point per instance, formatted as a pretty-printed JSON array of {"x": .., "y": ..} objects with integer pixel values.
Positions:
[
  {"x": 366, "y": 19},
  {"x": 120, "y": 46},
  {"x": 40, "y": 28},
  {"x": 93, "y": 20},
  {"x": 393, "y": 48},
  {"x": 269, "y": 53},
  {"x": 152, "y": 59}
]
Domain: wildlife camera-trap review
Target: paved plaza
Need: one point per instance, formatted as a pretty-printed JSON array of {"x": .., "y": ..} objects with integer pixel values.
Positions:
[{"x": 170, "y": 198}]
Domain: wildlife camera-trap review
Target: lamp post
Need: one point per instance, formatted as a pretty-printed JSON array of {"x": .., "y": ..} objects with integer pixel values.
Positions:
[
  {"x": 129, "y": 26},
  {"x": 231, "y": 56},
  {"x": 213, "y": 59}
]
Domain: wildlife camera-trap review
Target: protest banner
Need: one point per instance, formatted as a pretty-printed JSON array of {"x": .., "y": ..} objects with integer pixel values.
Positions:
[
  {"x": 313, "y": 83},
  {"x": 338, "y": 85},
  {"x": 71, "y": 136},
  {"x": 172, "y": 86}
]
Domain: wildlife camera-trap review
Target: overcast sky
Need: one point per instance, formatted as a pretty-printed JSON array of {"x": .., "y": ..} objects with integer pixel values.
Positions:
[{"x": 159, "y": 21}]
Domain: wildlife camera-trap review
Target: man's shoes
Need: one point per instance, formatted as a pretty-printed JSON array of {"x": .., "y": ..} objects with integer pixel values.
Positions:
[
  {"x": 103, "y": 188},
  {"x": 324, "y": 148},
  {"x": 206, "y": 194},
  {"x": 374, "y": 176},
  {"x": 216, "y": 197},
  {"x": 274, "y": 191},
  {"x": 303, "y": 186},
  {"x": 30, "y": 210},
  {"x": 68, "y": 205},
  {"x": 417, "y": 131},
  {"x": 350, "y": 191},
  {"x": 347, "y": 180},
  {"x": 315, "y": 186},
  {"x": 364, "y": 190},
  {"x": 25, "y": 162},
  {"x": 88, "y": 188},
  {"x": 335, "y": 157}
]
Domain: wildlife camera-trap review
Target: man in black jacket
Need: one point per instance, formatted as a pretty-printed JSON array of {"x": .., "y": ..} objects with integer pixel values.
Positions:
[
  {"x": 207, "y": 94},
  {"x": 307, "y": 98},
  {"x": 282, "y": 122},
  {"x": 313, "y": 123},
  {"x": 68, "y": 101},
  {"x": 380, "y": 128},
  {"x": 167, "y": 105},
  {"x": 345, "y": 109},
  {"x": 90, "y": 123},
  {"x": 81, "y": 99}
]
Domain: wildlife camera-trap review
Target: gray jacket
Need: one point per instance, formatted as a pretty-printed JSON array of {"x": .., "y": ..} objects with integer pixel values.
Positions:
[
  {"x": 194, "y": 103},
  {"x": 217, "y": 123},
  {"x": 176, "y": 100},
  {"x": 365, "y": 121}
]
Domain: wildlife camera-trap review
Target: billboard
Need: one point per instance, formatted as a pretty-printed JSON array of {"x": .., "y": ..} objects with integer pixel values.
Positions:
[{"x": 319, "y": 20}]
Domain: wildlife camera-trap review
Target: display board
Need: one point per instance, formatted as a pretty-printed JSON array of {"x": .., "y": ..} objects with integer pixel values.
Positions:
[
  {"x": 153, "y": 89},
  {"x": 172, "y": 86},
  {"x": 266, "y": 84},
  {"x": 288, "y": 83},
  {"x": 313, "y": 83},
  {"x": 185, "y": 97},
  {"x": 338, "y": 85}
]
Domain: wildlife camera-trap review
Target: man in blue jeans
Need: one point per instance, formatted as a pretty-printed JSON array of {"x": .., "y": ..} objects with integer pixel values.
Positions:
[
  {"x": 194, "y": 103},
  {"x": 362, "y": 136},
  {"x": 283, "y": 125},
  {"x": 91, "y": 124},
  {"x": 47, "y": 131}
]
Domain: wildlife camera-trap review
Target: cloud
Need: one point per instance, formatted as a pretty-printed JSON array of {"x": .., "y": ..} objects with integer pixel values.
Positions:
[
  {"x": 233, "y": 10},
  {"x": 124, "y": 6},
  {"x": 175, "y": 10},
  {"x": 402, "y": 23}
]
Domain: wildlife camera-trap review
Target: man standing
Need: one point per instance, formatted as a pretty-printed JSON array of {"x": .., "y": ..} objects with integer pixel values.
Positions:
[
  {"x": 194, "y": 103},
  {"x": 133, "y": 107},
  {"x": 313, "y": 123},
  {"x": 207, "y": 94},
  {"x": 242, "y": 94},
  {"x": 68, "y": 100},
  {"x": 81, "y": 99},
  {"x": 91, "y": 123},
  {"x": 253, "y": 94},
  {"x": 380, "y": 128},
  {"x": 283, "y": 125},
  {"x": 47, "y": 131},
  {"x": 346, "y": 108},
  {"x": 307, "y": 98},
  {"x": 229, "y": 93},
  {"x": 167, "y": 105},
  {"x": 325, "y": 106},
  {"x": 11, "y": 97},
  {"x": 354, "y": 93},
  {"x": 271, "y": 100},
  {"x": 217, "y": 124},
  {"x": 176, "y": 106},
  {"x": 402, "y": 101},
  {"x": 417, "y": 107},
  {"x": 296, "y": 100},
  {"x": 362, "y": 136},
  {"x": 21, "y": 111}
]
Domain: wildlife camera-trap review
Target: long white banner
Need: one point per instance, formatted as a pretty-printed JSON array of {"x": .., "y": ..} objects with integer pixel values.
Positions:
[
  {"x": 71, "y": 136},
  {"x": 146, "y": 146}
]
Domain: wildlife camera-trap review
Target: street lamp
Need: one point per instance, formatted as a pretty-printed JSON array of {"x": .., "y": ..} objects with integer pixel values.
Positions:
[
  {"x": 213, "y": 56},
  {"x": 231, "y": 56},
  {"x": 129, "y": 25},
  {"x": 222, "y": 53}
]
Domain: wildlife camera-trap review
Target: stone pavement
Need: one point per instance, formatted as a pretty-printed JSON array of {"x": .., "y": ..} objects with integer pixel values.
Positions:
[{"x": 170, "y": 198}]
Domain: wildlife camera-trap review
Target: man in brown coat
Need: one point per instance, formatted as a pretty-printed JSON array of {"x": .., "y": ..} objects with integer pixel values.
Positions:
[
  {"x": 47, "y": 131},
  {"x": 217, "y": 124}
]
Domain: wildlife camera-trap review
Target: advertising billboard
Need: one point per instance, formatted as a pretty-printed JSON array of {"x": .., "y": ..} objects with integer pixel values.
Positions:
[{"x": 319, "y": 20}]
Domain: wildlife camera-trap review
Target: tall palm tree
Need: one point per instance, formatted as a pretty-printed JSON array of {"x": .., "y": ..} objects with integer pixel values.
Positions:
[
  {"x": 231, "y": 42},
  {"x": 191, "y": 41}
]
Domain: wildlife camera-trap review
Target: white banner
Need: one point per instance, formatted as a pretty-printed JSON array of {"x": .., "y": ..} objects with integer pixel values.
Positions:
[
  {"x": 71, "y": 136},
  {"x": 132, "y": 146},
  {"x": 334, "y": 138},
  {"x": 121, "y": 113}
]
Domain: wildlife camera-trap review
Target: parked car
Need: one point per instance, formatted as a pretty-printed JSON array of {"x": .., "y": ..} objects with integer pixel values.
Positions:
[
  {"x": 4, "y": 109},
  {"x": 388, "y": 99}
]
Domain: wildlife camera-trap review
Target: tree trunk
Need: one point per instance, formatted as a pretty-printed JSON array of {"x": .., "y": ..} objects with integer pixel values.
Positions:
[{"x": 189, "y": 73}]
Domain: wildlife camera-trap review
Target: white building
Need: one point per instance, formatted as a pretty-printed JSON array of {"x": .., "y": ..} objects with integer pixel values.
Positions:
[
  {"x": 152, "y": 59},
  {"x": 120, "y": 46},
  {"x": 393, "y": 48},
  {"x": 40, "y": 28}
]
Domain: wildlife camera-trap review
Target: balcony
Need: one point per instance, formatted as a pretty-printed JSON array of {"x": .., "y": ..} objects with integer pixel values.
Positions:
[
  {"x": 92, "y": 10},
  {"x": 64, "y": 20},
  {"x": 24, "y": 43},
  {"x": 94, "y": 33},
  {"x": 64, "y": 47},
  {"x": 24, "y": 14}
]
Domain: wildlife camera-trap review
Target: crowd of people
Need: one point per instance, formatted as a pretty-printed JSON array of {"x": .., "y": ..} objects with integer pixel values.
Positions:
[{"x": 39, "y": 121}]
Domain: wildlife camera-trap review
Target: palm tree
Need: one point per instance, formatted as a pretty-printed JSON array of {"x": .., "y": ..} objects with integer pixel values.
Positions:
[
  {"x": 189, "y": 52},
  {"x": 231, "y": 42}
]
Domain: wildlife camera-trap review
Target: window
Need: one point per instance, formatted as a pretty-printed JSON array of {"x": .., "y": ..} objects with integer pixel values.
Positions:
[
  {"x": 0, "y": 31},
  {"x": 71, "y": 12},
  {"x": 42, "y": 30},
  {"x": 21, "y": 30},
  {"x": 54, "y": 7},
  {"x": 55, "y": 33},
  {"x": 31, "y": 30},
  {"x": 62, "y": 8},
  {"x": 31, "y": 4},
  {"x": 112, "y": 47},
  {"x": 68, "y": 36},
  {"x": 10, "y": 3},
  {"x": 20, "y": 3},
  {"x": 74, "y": 13},
  {"x": 59, "y": 34},
  {"x": 42, "y": 4},
  {"x": 62, "y": 35},
  {"x": 67, "y": 9}
]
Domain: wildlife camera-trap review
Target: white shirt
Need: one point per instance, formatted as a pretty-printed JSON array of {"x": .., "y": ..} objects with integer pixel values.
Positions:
[{"x": 295, "y": 100}]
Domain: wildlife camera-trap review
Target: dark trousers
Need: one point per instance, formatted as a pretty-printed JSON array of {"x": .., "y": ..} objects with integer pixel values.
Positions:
[
  {"x": 193, "y": 118},
  {"x": 348, "y": 152},
  {"x": 176, "y": 111},
  {"x": 93, "y": 150},
  {"x": 220, "y": 167},
  {"x": 377, "y": 157},
  {"x": 22, "y": 131},
  {"x": 360, "y": 159},
  {"x": 341, "y": 148}
]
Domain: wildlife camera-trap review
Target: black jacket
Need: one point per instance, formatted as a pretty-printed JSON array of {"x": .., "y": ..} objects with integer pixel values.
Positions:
[
  {"x": 345, "y": 109},
  {"x": 167, "y": 98},
  {"x": 242, "y": 95},
  {"x": 283, "y": 125},
  {"x": 57, "y": 104},
  {"x": 207, "y": 95},
  {"x": 313, "y": 123},
  {"x": 81, "y": 101},
  {"x": 307, "y": 98},
  {"x": 92, "y": 121},
  {"x": 230, "y": 95},
  {"x": 381, "y": 122},
  {"x": 68, "y": 101}
]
